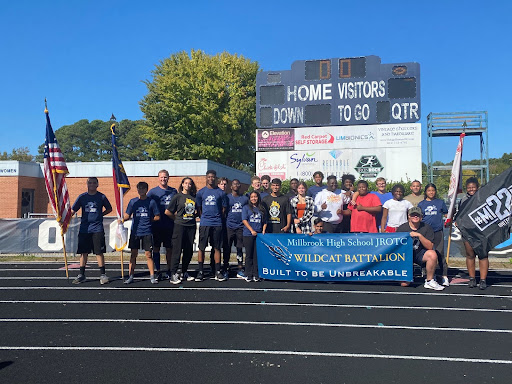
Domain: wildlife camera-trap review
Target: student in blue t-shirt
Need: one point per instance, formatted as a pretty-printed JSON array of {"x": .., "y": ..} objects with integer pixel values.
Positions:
[
  {"x": 211, "y": 205},
  {"x": 234, "y": 224},
  {"x": 318, "y": 177},
  {"x": 255, "y": 221},
  {"x": 163, "y": 228},
  {"x": 433, "y": 210},
  {"x": 383, "y": 196},
  {"x": 91, "y": 237},
  {"x": 144, "y": 211},
  {"x": 225, "y": 249}
]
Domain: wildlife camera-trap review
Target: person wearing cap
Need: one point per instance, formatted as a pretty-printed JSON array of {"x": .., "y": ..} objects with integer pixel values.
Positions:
[{"x": 423, "y": 246}]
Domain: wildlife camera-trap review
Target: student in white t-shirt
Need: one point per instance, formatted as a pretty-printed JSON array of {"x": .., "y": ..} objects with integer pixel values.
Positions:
[
  {"x": 394, "y": 211},
  {"x": 329, "y": 205}
]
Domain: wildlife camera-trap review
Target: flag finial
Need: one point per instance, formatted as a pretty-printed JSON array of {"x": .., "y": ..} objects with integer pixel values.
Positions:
[
  {"x": 113, "y": 117},
  {"x": 45, "y": 106}
]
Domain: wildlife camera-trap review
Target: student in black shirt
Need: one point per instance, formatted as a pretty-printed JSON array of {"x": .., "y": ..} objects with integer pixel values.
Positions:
[
  {"x": 182, "y": 209},
  {"x": 279, "y": 213}
]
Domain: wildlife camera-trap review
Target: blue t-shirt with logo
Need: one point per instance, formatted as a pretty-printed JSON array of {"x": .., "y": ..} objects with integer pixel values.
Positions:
[
  {"x": 234, "y": 216},
  {"x": 162, "y": 198},
  {"x": 143, "y": 211},
  {"x": 92, "y": 211},
  {"x": 383, "y": 197},
  {"x": 433, "y": 213},
  {"x": 313, "y": 190},
  {"x": 211, "y": 201},
  {"x": 255, "y": 218}
]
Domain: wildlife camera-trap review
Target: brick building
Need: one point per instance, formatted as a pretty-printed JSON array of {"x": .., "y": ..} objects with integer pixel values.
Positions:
[{"x": 22, "y": 187}]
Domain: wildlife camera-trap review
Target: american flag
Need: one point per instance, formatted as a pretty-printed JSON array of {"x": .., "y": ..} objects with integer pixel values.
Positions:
[{"x": 55, "y": 171}]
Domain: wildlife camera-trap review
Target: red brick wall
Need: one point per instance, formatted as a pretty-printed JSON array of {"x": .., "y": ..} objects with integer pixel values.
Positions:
[{"x": 10, "y": 197}]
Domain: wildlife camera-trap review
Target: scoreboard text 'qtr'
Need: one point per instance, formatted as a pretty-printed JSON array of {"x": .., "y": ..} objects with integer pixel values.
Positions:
[{"x": 350, "y": 91}]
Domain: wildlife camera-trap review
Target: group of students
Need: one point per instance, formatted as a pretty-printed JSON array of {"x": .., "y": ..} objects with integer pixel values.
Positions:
[{"x": 164, "y": 216}]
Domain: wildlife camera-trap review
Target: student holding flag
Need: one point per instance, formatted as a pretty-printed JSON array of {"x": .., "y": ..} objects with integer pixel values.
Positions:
[
  {"x": 472, "y": 186},
  {"x": 94, "y": 206}
]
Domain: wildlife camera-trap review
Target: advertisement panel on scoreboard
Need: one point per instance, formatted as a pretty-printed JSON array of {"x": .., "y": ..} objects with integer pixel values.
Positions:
[
  {"x": 394, "y": 164},
  {"x": 340, "y": 137},
  {"x": 275, "y": 139},
  {"x": 273, "y": 164}
]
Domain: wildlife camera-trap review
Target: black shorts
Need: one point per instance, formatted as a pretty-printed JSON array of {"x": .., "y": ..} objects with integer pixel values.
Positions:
[
  {"x": 212, "y": 233},
  {"x": 91, "y": 243},
  {"x": 236, "y": 236},
  {"x": 417, "y": 256},
  {"x": 141, "y": 242},
  {"x": 162, "y": 236},
  {"x": 477, "y": 255}
]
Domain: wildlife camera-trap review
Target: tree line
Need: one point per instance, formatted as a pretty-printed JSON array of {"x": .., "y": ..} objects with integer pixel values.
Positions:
[{"x": 197, "y": 106}]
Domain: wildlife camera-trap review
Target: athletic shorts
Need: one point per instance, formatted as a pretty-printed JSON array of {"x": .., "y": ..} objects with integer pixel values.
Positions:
[
  {"x": 141, "y": 242},
  {"x": 214, "y": 234},
  {"x": 417, "y": 256},
  {"x": 162, "y": 236},
  {"x": 91, "y": 243},
  {"x": 479, "y": 257}
]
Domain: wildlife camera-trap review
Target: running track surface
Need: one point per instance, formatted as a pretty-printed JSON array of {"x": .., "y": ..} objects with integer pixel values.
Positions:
[{"x": 234, "y": 331}]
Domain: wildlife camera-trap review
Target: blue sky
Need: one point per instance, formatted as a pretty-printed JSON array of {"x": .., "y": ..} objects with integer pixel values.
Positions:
[{"x": 89, "y": 58}]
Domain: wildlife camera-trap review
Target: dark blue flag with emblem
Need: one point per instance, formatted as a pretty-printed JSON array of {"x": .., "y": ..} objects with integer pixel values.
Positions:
[
  {"x": 121, "y": 187},
  {"x": 484, "y": 220}
]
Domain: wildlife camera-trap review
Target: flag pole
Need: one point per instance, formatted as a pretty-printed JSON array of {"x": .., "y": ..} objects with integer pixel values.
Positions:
[
  {"x": 122, "y": 265},
  {"x": 65, "y": 256},
  {"x": 449, "y": 244}
]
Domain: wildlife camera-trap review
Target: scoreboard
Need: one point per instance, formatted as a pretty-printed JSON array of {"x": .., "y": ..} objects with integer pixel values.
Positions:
[{"x": 350, "y": 91}]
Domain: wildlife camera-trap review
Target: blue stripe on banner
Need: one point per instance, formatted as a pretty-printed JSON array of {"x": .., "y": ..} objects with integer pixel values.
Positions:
[{"x": 335, "y": 257}]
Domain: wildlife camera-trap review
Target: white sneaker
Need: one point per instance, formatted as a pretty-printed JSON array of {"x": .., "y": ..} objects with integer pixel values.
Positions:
[
  {"x": 187, "y": 277},
  {"x": 446, "y": 282},
  {"x": 104, "y": 279},
  {"x": 129, "y": 280},
  {"x": 432, "y": 284},
  {"x": 153, "y": 279}
]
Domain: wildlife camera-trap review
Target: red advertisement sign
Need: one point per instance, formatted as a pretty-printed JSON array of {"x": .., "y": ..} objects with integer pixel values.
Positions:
[{"x": 275, "y": 139}]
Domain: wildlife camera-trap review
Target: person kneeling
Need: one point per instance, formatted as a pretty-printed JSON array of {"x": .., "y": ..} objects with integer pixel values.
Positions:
[{"x": 423, "y": 246}]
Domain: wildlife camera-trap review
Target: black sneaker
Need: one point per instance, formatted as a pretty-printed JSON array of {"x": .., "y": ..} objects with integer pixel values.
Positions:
[
  {"x": 219, "y": 276},
  {"x": 472, "y": 282},
  {"x": 199, "y": 276},
  {"x": 482, "y": 285}
]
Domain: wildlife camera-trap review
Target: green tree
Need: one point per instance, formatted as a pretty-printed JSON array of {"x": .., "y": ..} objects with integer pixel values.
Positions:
[
  {"x": 200, "y": 106},
  {"x": 19, "y": 154},
  {"x": 92, "y": 141}
]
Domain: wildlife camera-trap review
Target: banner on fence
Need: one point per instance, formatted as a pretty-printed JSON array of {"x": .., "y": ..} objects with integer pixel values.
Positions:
[{"x": 335, "y": 257}]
